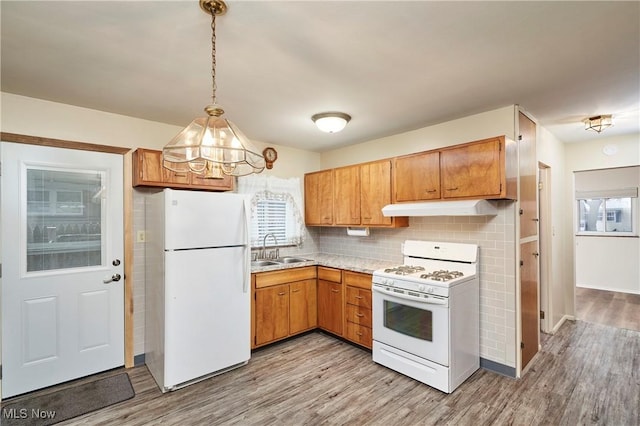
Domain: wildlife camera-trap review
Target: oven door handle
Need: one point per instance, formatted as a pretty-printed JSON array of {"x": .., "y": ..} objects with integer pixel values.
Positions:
[{"x": 428, "y": 300}]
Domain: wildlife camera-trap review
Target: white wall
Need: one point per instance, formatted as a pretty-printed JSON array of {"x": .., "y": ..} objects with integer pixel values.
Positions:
[
  {"x": 589, "y": 155},
  {"x": 551, "y": 152},
  {"x": 37, "y": 117},
  {"x": 479, "y": 126}
]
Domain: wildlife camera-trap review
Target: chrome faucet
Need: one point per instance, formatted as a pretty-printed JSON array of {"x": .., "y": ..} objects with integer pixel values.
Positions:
[{"x": 275, "y": 253}]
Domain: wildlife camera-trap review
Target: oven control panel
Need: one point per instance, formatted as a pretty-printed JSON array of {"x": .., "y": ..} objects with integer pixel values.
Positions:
[{"x": 399, "y": 283}]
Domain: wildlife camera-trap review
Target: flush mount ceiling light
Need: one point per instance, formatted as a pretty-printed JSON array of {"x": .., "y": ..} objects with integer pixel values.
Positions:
[
  {"x": 331, "y": 122},
  {"x": 598, "y": 123},
  {"x": 212, "y": 146}
]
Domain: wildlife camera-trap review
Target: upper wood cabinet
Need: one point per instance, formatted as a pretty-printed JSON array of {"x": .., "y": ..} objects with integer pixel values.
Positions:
[
  {"x": 472, "y": 170},
  {"x": 417, "y": 177},
  {"x": 481, "y": 169},
  {"x": 148, "y": 171},
  {"x": 347, "y": 195},
  {"x": 375, "y": 193},
  {"x": 318, "y": 198},
  {"x": 359, "y": 193}
]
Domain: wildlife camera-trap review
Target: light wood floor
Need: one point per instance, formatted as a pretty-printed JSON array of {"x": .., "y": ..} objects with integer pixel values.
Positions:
[
  {"x": 585, "y": 374},
  {"x": 612, "y": 308}
]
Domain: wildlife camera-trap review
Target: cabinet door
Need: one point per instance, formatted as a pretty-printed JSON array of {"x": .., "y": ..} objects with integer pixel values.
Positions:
[
  {"x": 271, "y": 313},
  {"x": 472, "y": 170},
  {"x": 147, "y": 167},
  {"x": 318, "y": 198},
  {"x": 347, "y": 195},
  {"x": 375, "y": 179},
  {"x": 223, "y": 184},
  {"x": 417, "y": 177},
  {"x": 303, "y": 312},
  {"x": 359, "y": 334},
  {"x": 330, "y": 309}
]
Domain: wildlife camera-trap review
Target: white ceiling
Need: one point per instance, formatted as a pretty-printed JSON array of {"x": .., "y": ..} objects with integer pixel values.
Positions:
[{"x": 393, "y": 65}]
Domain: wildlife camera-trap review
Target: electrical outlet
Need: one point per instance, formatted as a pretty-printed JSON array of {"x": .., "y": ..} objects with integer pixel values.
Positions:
[{"x": 141, "y": 237}]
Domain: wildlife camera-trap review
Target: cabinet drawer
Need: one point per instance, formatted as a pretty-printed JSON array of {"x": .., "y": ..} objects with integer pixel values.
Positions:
[
  {"x": 359, "y": 334},
  {"x": 265, "y": 279},
  {"x": 329, "y": 274},
  {"x": 357, "y": 279},
  {"x": 359, "y": 315},
  {"x": 359, "y": 297}
]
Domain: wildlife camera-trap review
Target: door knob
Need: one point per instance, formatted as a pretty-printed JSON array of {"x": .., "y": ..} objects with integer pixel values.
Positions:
[{"x": 114, "y": 277}]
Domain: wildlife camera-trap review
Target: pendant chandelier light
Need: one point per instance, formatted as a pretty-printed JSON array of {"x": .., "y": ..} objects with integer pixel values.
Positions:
[{"x": 212, "y": 146}]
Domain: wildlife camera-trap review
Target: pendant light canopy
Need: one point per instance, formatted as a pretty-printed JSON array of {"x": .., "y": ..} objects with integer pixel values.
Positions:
[{"x": 212, "y": 146}]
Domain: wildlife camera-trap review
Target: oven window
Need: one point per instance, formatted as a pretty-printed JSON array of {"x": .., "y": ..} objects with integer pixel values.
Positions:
[{"x": 408, "y": 320}]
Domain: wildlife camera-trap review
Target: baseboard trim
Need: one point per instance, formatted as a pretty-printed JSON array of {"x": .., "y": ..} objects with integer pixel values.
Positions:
[
  {"x": 496, "y": 367},
  {"x": 138, "y": 360},
  {"x": 565, "y": 318}
]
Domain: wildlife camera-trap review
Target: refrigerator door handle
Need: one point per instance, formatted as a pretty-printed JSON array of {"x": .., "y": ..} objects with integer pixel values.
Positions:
[{"x": 247, "y": 247}]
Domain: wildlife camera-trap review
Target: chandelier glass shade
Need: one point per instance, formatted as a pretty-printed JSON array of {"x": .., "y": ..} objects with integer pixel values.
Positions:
[
  {"x": 212, "y": 146},
  {"x": 598, "y": 123}
]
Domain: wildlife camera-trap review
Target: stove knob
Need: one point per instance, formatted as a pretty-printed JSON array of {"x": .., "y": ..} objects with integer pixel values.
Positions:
[
  {"x": 421, "y": 287},
  {"x": 430, "y": 289}
]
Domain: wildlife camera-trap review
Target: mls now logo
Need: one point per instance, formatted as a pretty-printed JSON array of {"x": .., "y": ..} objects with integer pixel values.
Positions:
[{"x": 23, "y": 413}]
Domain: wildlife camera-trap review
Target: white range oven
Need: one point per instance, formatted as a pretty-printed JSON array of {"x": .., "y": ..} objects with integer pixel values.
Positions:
[{"x": 426, "y": 314}]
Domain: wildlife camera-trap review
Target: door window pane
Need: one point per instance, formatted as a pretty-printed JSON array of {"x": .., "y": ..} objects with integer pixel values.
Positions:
[{"x": 64, "y": 219}]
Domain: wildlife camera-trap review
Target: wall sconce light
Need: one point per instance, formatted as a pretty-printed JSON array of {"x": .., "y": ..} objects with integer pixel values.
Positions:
[
  {"x": 598, "y": 123},
  {"x": 331, "y": 122}
]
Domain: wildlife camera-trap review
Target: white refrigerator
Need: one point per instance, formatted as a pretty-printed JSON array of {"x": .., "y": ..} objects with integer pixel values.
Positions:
[{"x": 197, "y": 294}]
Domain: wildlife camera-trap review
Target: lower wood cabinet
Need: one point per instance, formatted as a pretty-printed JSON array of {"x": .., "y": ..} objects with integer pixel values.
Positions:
[
  {"x": 291, "y": 301},
  {"x": 330, "y": 300},
  {"x": 358, "y": 311},
  {"x": 284, "y": 303}
]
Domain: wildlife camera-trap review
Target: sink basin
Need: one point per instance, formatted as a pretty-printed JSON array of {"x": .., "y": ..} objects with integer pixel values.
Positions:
[
  {"x": 264, "y": 263},
  {"x": 291, "y": 260}
]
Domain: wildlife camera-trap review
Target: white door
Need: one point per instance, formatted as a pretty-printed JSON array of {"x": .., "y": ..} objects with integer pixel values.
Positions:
[{"x": 62, "y": 265}]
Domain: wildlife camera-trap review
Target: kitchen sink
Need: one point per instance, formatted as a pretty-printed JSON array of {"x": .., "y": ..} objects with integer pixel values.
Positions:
[
  {"x": 264, "y": 263},
  {"x": 291, "y": 260}
]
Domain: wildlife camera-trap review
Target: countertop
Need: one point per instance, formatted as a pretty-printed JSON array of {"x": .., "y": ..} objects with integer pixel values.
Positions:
[{"x": 349, "y": 263}]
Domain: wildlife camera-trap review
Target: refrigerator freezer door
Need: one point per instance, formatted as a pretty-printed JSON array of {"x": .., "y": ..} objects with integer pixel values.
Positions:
[
  {"x": 207, "y": 313},
  {"x": 204, "y": 219}
]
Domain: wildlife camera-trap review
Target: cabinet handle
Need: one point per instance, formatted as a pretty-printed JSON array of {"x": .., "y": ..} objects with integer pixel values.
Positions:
[
  {"x": 359, "y": 297},
  {"x": 295, "y": 291},
  {"x": 452, "y": 189},
  {"x": 333, "y": 290},
  {"x": 180, "y": 174},
  {"x": 359, "y": 334},
  {"x": 282, "y": 293},
  {"x": 359, "y": 315},
  {"x": 430, "y": 191}
]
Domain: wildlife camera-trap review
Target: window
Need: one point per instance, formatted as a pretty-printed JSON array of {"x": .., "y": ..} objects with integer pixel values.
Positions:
[
  {"x": 606, "y": 215},
  {"x": 275, "y": 210},
  {"x": 270, "y": 218}
]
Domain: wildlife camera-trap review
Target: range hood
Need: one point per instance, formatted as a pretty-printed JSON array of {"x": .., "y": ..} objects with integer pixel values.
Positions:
[{"x": 442, "y": 208}]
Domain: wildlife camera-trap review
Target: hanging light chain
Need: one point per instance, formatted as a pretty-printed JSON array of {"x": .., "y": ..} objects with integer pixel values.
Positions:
[{"x": 213, "y": 57}]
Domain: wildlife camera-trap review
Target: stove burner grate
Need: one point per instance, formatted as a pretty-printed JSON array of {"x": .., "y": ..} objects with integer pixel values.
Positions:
[
  {"x": 442, "y": 275},
  {"x": 404, "y": 270}
]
